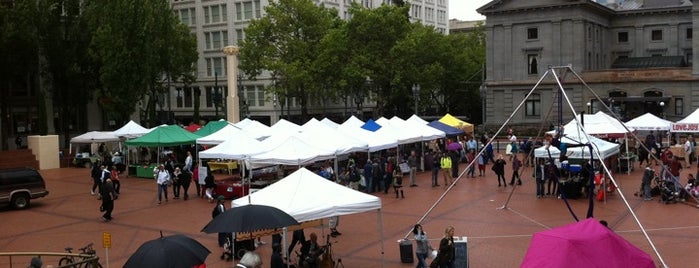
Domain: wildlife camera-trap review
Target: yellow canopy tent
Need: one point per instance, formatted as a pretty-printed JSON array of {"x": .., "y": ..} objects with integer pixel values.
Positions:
[{"x": 450, "y": 120}]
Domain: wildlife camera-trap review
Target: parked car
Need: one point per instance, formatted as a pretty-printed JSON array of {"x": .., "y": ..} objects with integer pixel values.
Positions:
[{"x": 19, "y": 185}]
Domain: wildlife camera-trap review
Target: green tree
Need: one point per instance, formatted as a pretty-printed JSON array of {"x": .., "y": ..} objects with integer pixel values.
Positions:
[
  {"x": 140, "y": 44},
  {"x": 371, "y": 35},
  {"x": 68, "y": 70},
  {"x": 18, "y": 56},
  {"x": 286, "y": 43}
]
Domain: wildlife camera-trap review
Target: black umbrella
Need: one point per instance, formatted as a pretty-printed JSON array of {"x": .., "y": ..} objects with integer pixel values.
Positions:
[
  {"x": 169, "y": 252},
  {"x": 249, "y": 218}
]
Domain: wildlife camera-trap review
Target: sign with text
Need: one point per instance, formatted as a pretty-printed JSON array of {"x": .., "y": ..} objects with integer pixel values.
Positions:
[
  {"x": 106, "y": 240},
  {"x": 685, "y": 127}
]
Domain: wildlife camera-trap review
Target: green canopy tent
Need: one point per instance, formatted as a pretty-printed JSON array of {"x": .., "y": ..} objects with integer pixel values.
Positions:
[
  {"x": 211, "y": 128},
  {"x": 165, "y": 136},
  {"x": 162, "y": 136}
]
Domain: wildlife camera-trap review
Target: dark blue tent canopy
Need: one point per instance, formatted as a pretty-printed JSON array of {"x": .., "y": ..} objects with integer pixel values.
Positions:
[
  {"x": 370, "y": 125},
  {"x": 449, "y": 130}
]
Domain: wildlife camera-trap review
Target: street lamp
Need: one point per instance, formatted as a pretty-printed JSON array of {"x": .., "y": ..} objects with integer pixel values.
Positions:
[
  {"x": 216, "y": 93},
  {"x": 589, "y": 107},
  {"x": 242, "y": 99},
  {"x": 416, "y": 95},
  {"x": 662, "y": 108}
]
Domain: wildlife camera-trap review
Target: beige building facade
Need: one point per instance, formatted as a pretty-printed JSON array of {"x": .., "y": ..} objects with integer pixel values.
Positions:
[{"x": 637, "y": 56}]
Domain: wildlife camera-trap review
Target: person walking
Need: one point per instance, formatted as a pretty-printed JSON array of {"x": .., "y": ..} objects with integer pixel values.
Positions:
[
  {"x": 115, "y": 179},
  {"x": 108, "y": 197},
  {"x": 223, "y": 238},
  {"x": 422, "y": 246},
  {"x": 445, "y": 256},
  {"x": 499, "y": 169},
  {"x": 96, "y": 174},
  {"x": 209, "y": 185},
  {"x": 162, "y": 178},
  {"x": 412, "y": 163},
  {"x": 470, "y": 157},
  {"x": 516, "y": 164},
  {"x": 648, "y": 176}
]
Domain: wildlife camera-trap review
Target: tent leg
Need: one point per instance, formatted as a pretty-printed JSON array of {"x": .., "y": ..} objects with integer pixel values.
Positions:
[{"x": 383, "y": 259}]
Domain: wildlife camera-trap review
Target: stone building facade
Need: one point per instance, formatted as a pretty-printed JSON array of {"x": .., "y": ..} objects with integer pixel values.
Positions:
[{"x": 634, "y": 56}]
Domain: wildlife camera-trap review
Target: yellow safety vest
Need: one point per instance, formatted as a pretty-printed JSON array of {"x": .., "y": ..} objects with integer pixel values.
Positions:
[{"x": 445, "y": 162}]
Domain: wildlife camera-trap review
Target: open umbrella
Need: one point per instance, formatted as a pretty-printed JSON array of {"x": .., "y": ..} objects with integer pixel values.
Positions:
[
  {"x": 454, "y": 146},
  {"x": 169, "y": 252},
  {"x": 584, "y": 244},
  {"x": 249, "y": 218}
]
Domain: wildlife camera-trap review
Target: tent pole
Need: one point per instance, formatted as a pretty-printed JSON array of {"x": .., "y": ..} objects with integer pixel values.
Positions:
[
  {"x": 284, "y": 248},
  {"x": 383, "y": 259}
]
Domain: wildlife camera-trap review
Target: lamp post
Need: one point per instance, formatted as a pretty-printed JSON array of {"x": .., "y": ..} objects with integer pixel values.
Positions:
[
  {"x": 242, "y": 98},
  {"x": 217, "y": 96},
  {"x": 416, "y": 95}
]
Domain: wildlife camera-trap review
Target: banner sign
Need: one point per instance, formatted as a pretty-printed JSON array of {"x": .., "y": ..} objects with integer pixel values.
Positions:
[{"x": 685, "y": 127}]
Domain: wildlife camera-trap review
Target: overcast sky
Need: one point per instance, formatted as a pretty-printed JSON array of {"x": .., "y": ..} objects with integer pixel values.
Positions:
[{"x": 466, "y": 9}]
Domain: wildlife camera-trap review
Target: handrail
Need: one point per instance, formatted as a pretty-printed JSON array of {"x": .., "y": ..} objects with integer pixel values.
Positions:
[{"x": 85, "y": 258}]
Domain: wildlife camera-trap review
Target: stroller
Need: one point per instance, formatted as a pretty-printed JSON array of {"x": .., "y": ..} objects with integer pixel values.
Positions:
[{"x": 668, "y": 191}]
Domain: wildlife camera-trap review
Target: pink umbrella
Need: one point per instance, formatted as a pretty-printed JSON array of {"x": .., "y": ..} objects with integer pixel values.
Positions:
[{"x": 584, "y": 244}]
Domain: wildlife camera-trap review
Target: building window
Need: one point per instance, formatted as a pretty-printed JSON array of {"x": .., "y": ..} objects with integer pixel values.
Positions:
[
  {"x": 215, "y": 14},
  {"x": 532, "y": 33},
  {"x": 533, "y": 105},
  {"x": 679, "y": 106},
  {"x": 533, "y": 64},
  {"x": 216, "y": 40},
  {"x": 188, "y": 97},
  {"x": 215, "y": 66},
  {"x": 188, "y": 16},
  {"x": 622, "y": 37},
  {"x": 179, "y": 97},
  {"x": 239, "y": 36},
  {"x": 656, "y": 35},
  {"x": 688, "y": 34}
]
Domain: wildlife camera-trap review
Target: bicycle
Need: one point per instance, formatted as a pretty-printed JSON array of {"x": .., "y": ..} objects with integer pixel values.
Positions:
[{"x": 88, "y": 250}]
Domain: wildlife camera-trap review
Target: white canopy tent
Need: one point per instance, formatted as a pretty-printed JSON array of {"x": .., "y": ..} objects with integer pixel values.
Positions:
[
  {"x": 376, "y": 141},
  {"x": 598, "y": 124},
  {"x": 283, "y": 126},
  {"x": 96, "y": 137},
  {"x": 238, "y": 146},
  {"x": 131, "y": 130},
  {"x": 426, "y": 132},
  {"x": 417, "y": 119},
  {"x": 392, "y": 130},
  {"x": 254, "y": 128},
  {"x": 605, "y": 148},
  {"x": 222, "y": 135},
  {"x": 352, "y": 122},
  {"x": 649, "y": 121},
  {"x": 307, "y": 196},
  {"x": 293, "y": 151},
  {"x": 327, "y": 137},
  {"x": 687, "y": 124},
  {"x": 329, "y": 122}
]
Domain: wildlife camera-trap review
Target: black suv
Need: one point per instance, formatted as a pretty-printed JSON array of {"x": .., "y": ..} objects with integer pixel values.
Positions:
[{"x": 19, "y": 185}]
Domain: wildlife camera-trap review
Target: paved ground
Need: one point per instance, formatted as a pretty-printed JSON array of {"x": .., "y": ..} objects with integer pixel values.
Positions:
[{"x": 69, "y": 216}]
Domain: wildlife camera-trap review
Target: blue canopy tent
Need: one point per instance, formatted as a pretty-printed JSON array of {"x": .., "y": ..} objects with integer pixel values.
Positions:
[
  {"x": 449, "y": 130},
  {"x": 370, "y": 125}
]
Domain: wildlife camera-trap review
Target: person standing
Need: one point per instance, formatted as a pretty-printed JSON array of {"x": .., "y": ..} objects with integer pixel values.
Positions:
[
  {"x": 412, "y": 163},
  {"x": 472, "y": 144},
  {"x": 108, "y": 197},
  {"x": 435, "y": 168},
  {"x": 445, "y": 256},
  {"x": 18, "y": 142},
  {"x": 648, "y": 175},
  {"x": 422, "y": 246},
  {"x": 539, "y": 176},
  {"x": 185, "y": 180},
  {"x": 162, "y": 178},
  {"x": 398, "y": 181},
  {"x": 445, "y": 163},
  {"x": 470, "y": 156},
  {"x": 516, "y": 164},
  {"x": 482, "y": 160},
  {"x": 276, "y": 260},
  {"x": 223, "y": 238},
  {"x": 687, "y": 152},
  {"x": 499, "y": 169},
  {"x": 176, "y": 179},
  {"x": 115, "y": 179},
  {"x": 188, "y": 162},
  {"x": 209, "y": 185},
  {"x": 298, "y": 236},
  {"x": 368, "y": 177}
]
